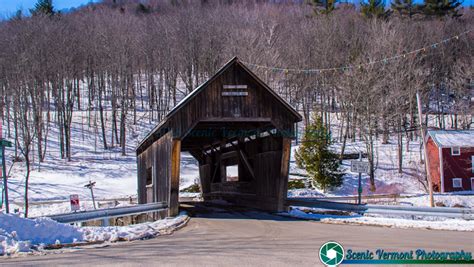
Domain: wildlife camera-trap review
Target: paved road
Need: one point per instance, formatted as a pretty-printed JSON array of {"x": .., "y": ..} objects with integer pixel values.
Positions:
[{"x": 232, "y": 238}]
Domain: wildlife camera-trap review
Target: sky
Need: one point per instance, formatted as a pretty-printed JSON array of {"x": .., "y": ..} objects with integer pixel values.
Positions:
[{"x": 9, "y": 7}]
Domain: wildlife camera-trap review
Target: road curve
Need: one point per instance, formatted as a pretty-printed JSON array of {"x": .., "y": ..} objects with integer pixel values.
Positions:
[{"x": 232, "y": 238}]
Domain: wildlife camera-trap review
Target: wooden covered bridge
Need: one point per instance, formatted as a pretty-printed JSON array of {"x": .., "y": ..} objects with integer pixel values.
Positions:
[{"x": 240, "y": 132}]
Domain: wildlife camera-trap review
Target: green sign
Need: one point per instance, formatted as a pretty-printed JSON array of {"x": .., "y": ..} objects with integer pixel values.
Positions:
[
  {"x": 331, "y": 253},
  {"x": 6, "y": 143}
]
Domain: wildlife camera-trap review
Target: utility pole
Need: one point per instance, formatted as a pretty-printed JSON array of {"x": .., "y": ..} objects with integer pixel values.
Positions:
[
  {"x": 91, "y": 185},
  {"x": 359, "y": 188},
  {"x": 423, "y": 131},
  {"x": 5, "y": 185}
]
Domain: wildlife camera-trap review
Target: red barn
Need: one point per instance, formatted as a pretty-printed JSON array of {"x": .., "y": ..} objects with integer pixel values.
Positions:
[{"x": 451, "y": 159}]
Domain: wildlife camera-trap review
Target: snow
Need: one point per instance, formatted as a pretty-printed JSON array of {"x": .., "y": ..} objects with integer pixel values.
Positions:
[
  {"x": 132, "y": 232},
  {"x": 387, "y": 178},
  {"x": 458, "y": 199},
  {"x": 55, "y": 179},
  {"x": 26, "y": 235},
  {"x": 453, "y": 138},
  {"x": 115, "y": 175},
  {"x": 448, "y": 224},
  {"x": 19, "y": 234}
]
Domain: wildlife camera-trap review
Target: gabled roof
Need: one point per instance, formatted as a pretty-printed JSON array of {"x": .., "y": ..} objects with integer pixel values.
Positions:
[
  {"x": 452, "y": 138},
  {"x": 219, "y": 72},
  {"x": 185, "y": 100}
]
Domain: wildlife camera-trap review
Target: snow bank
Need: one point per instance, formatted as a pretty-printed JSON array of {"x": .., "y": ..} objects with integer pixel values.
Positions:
[
  {"x": 26, "y": 235},
  {"x": 133, "y": 232},
  {"x": 20, "y": 234},
  {"x": 464, "y": 199},
  {"x": 448, "y": 224}
]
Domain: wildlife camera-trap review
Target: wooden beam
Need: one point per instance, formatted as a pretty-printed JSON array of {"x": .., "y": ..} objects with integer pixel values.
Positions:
[
  {"x": 244, "y": 158},
  {"x": 197, "y": 155},
  {"x": 284, "y": 170},
  {"x": 173, "y": 202}
]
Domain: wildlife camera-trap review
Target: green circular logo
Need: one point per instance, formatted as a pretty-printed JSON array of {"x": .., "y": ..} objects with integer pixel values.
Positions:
[{"x": 331, "y": 253}]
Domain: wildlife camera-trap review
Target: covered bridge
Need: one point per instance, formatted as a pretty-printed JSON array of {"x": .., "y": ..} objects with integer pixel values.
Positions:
[{"x": 240, "y": 132}]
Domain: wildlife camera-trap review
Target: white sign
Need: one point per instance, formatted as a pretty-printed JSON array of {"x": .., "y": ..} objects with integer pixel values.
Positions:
[
  {"x": 74, "y": 199},
  {"x": 241, "y": 86},
  {"x": 359, "y": 166},
  {"x": 234, "y": 93}
]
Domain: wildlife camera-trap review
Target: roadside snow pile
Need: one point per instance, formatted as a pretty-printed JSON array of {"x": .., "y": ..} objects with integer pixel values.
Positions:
[
  {"x": 448, "y": 224},
  {"x": 26, "y": 235},
  {"x": 304, "y": 193},
  {"x": 457, "y": 199},
  {"x": 21, "y": 235},
  {"x": 133, "y": 232}
]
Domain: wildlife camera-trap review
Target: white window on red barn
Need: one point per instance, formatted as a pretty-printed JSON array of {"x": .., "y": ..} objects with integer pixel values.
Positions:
[
  {"x": 472, "y": 163},
  {"x": 455, "y": 151},
  {"x": 457, "y": 183}
]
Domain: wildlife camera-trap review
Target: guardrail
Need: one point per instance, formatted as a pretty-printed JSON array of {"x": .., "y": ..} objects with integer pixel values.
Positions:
[
  {"x": 83, "y": 216},
  {"x": 366, "y": 198},
  {"x": 464, "y": 213}
]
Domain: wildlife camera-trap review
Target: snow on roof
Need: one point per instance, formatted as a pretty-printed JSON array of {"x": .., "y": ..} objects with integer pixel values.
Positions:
[{"x": 452, "y": 138}]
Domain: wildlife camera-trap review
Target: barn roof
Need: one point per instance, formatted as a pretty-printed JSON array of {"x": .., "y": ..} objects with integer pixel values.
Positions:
[
  {"x": 452, "y": 138},
  {"x": 297, "y": 117}
]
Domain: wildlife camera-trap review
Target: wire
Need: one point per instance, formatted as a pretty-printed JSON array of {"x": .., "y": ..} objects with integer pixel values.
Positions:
[{"x": 384, "y": 60}]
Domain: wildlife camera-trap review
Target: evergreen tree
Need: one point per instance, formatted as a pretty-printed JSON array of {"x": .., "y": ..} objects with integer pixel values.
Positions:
[
  {"x": 374, "y": 9},
  {"x": 323, "y": 6},
  {"x": 43, "y": 7},
  {"x": 441, "y": 8},
  {"x": 314, "y": 155},
  {"x": 405, "y": 7},
  {"x": 143, "y": 9}
]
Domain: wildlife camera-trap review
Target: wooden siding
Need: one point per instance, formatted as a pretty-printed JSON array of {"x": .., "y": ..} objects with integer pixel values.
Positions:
[
  {"x": 262, "y": 159},
  {"x": 156, "y": 157},
  {"x": 458, "y": 167}
]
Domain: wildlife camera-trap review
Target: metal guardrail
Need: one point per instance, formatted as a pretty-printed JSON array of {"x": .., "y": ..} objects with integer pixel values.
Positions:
[
  {"x": 464, "y": 213},
  {"x": 108, "y": 213}
]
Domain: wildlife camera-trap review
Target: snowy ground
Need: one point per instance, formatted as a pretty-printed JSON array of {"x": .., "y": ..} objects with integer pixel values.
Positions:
[
  {"x": 115, "y": 175},
  {"x": 446, "y": 224},
  {"x": 20, "y": 235},
  {"x": 387, "y": 178}
]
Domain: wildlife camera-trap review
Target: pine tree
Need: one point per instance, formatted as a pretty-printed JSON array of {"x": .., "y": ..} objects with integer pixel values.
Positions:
[
  {"x": 374, "y": 9},
  {"x": 441, "y": 8},
  {"x": 314, "y": 155},
  {"x": 405, "y": 7},
  {"x": 43, "y": 7},
  {"x": 323, "y": 6}
]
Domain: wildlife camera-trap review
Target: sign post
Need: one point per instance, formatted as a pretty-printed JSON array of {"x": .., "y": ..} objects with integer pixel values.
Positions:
[
  {"x": 360, "y": 167},
  {"x": 4, "y": 143}
]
